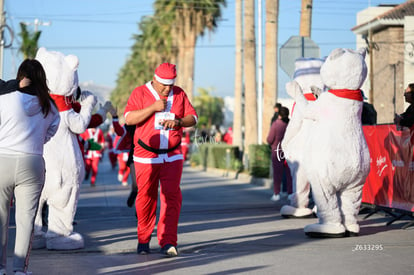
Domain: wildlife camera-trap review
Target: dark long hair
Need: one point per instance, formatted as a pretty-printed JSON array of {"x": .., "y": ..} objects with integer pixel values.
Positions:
[
  {"x": 32, "y": 69},
  {"x": 284, "y": 114}
]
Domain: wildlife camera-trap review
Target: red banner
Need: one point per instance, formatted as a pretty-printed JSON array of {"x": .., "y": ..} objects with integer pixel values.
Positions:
[{"x": 390, "y": 182}]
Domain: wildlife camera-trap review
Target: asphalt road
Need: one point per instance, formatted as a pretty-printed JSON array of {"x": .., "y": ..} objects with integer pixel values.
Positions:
[{"x": 227, "y": 226}]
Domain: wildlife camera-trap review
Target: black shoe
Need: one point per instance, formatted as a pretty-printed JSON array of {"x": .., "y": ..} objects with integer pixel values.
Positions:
[
  {"x": 169, "y": 250},
  {"x": 143, "y": 248},
  {"x": 131, "y": 199}
]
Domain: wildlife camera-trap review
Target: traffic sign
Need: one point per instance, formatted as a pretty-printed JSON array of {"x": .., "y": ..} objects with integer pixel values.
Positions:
[{"x": 294, "y": 48}]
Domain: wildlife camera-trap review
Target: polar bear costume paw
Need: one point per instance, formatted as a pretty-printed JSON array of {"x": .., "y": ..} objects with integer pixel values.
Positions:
[
  {"x": 327, "y": 230},
  {"x": 288, "y": 211},
  {"x": 352, "y": 230},
  {"x": 294, "y": 90}
]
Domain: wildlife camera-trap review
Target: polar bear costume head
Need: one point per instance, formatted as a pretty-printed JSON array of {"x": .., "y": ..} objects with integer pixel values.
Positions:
[
  {"x": 61, "y": 71},
  {"x": 344, "y": 69}
]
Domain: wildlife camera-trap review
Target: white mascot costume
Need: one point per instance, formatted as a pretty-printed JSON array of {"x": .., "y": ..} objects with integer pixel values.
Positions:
[
  {"x": 336, "y": 159},
  {"x": 307, "y": 75},
  {"x": 64, "y": 163}
]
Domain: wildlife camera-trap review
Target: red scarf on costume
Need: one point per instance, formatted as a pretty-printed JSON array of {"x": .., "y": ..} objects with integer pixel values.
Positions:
[
  {"x": 350, "y": 94},
  {"x": 63, "y": 103},
  {"x": 310, "y": 97}
]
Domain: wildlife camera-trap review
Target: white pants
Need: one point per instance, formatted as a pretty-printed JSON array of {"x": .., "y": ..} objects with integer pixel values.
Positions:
[{"x": 23, "y": 175}]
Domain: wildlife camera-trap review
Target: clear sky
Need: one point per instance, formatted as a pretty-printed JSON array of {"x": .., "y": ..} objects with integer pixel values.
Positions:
[{"x": 100, "y": 33}]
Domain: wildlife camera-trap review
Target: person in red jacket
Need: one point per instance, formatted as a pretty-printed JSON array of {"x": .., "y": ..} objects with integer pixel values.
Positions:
[
  {"x": 160, "y": 110},
  {"x": 92, "y": 157}
]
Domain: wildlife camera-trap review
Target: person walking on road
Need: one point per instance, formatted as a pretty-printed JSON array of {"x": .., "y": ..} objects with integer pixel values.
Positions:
[
  {"x": 28, "y": 119},
  {"x": 93, "y": 157},
  {"x": 160, "y": 110}
]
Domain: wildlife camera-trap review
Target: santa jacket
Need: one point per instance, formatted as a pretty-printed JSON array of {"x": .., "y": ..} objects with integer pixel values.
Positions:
[{"x": 149, "y": 131}]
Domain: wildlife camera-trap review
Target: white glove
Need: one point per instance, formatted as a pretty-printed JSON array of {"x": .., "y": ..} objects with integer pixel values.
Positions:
[
  {"x": 110, "y": 108},
  {"x": 88, "y": 99},
  {"x": 107, "y": 108}
]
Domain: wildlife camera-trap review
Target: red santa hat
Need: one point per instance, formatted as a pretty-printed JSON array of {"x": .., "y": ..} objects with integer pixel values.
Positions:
[{"x": 166, "y": 73}]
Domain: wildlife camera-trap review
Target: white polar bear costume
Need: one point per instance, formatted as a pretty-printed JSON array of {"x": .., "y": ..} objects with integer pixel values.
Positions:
[
  {"x": 336, "y": 157},
  {"x": 307, "y": 75},
  {"x": 63, "y": 157}
]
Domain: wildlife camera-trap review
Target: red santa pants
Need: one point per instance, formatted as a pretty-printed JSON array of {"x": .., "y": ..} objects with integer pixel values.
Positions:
[
  {"x": 168, "y": 174},
  {"x": 92, "y": 164}
]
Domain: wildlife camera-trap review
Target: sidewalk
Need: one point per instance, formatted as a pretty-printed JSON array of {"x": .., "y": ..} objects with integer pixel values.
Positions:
[{"x": 227, "y": 226}]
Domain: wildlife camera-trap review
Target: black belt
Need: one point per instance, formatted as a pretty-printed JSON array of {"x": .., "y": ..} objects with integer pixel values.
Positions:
[{"x": 157, "y": 151}]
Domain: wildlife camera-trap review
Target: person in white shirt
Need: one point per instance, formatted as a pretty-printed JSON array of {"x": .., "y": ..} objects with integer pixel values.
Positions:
[{"x": 28, "y": 119}]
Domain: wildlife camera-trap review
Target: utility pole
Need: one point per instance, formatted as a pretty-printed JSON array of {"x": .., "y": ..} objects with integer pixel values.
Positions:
[
  {"x": 306, "y": 18},
  {"x": 259, "y": 73}
]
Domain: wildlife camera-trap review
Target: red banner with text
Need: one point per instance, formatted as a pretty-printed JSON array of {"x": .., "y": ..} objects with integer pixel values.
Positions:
[{"x": 390, "y": 182}]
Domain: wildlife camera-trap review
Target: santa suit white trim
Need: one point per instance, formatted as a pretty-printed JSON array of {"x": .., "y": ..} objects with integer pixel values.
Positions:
[
  {"x": 164, "y": 81},
  {"x": 164, "y": 134}
]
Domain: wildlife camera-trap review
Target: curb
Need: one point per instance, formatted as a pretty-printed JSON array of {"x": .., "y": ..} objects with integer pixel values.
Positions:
[{"x": 266, "y": 182}]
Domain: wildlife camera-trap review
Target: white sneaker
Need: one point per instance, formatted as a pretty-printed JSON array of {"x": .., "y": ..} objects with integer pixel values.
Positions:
[
  {"x": 124, "y": 183},
  {"x": 275, "y": 197},
  {"x": 120, "y": 177}
]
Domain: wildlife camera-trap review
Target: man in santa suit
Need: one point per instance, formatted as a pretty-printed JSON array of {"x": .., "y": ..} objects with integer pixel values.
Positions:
[
  {"x": 92, "y": 157},
  {"x": 159, "y": 110}
]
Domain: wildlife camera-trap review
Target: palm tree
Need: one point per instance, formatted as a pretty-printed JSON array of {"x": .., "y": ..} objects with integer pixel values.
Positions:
[
  {"x": 209, "y": 108},
  {"x": 152, "y": 46},
  {"x": 270, "y": 64},
  {"x": 191, "y": 20},
  {"x": 250, "y": 121},
  {"x": 167, "y": 36},
  {"x": 29, "y": 44},
  {"x": 238, "y": 79}
]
